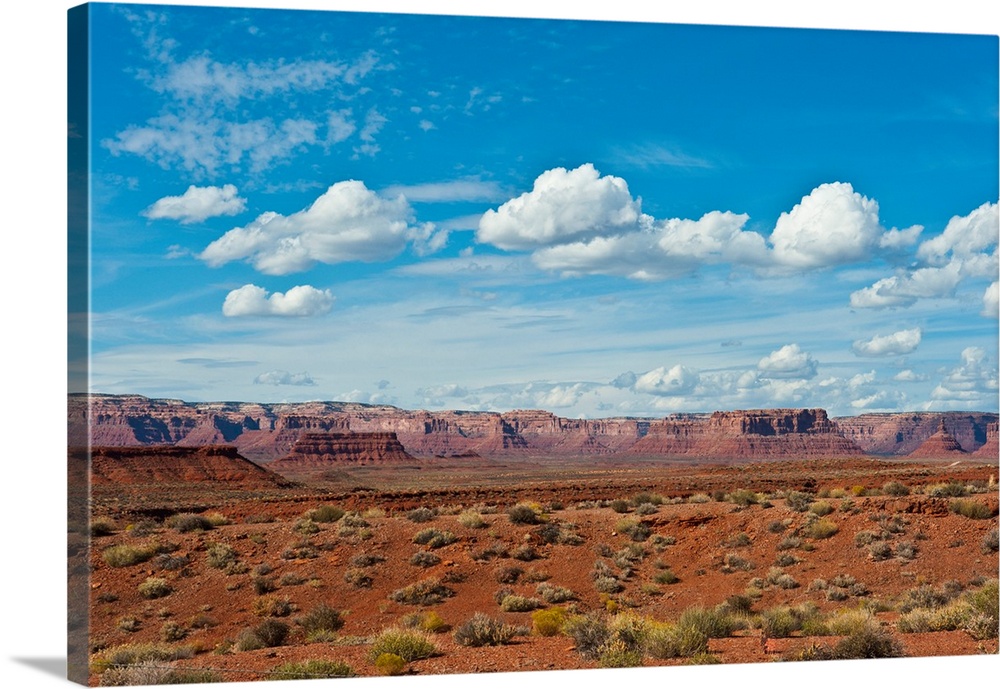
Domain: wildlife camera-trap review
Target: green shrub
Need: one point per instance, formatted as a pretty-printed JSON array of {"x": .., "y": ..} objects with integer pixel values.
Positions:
[
  {"x": 798, "y": 501},
  {"x": 589, "y": 633},
  {"x": 667, "y": 576},
  {"x": 952, "y": 489},
  {"x": 127, "y": 555},
  {"x": 605, "y": 584},
  {"x": 617, "y": 653},
  {"x": 548, "y": 622},
  {"x": 483, "y": 630},
  {"x": 471, "y": 520},
  {"x": 420, "y": 515},
  {"x": 358, "y": 578},
  {"x": 990, "y": 542},
  {"x": 515, "y": 603},
  {"x": 390, "y": 664},
  {"x": 895, "y": 489},
  {"x": 324, "y": 514},
  {"x": 789, "y": 542},
  {"x": 434, "y": 538},
  {"x": 973, "y": 509},
  {"x": 271, "y": 632},
  {"x": 425, "y": 592},
  {"x": 306, "y": 527},
  {"x": 821, "y": 508},
  {"x": 186, "y": 522},
  {"x": 714, "y": 623},
  {"x": 129, "y": 623},
  {"x": 664, "y": 640},
  {"x": 634, "y": 529},
  {"x": 312, "y": 669},
  {"x": 734, "y": 562},
  {"x": 172, "y": 631},
  {"x": 821, "y": 528},
  {"x": 220, "y": 556},
  {"x": 322, "y": 618},
  {"x": 133, "y": 654},
  {"x": 101, "y": 527},
  {"x": 742, "y": 497},
  {"x": 524, "y": 513},
  {"x": 408, "y": 644},
  {"x": 424, "y": 558},
  {"x": 554, "y": 594},
  {"x": 154, "y": 587},
  {"x": 869, "y": 642},
  {"x": 270, "y": 606}
]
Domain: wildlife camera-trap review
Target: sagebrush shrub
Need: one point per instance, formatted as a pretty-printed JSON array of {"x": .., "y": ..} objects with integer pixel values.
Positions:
[
  {"x": 471, "y": 519},
  {"x": 321, "y": 618},
  {"x": 420, "y": 515},
  {"x": 515, "y": 603},
  {"x": 186, "y": 522},
  {"x": 424, "y": 558},
  {"x": 126, "y": 555},
  {"x": 425, "y": 592},
  {"x": 589, "y": 632},
  {"x": 312, "y": 669},
  {"x": 324, "y": 514},
  {"x": 483, "y": 630},
  {"x": 523, "y": 513},
  {"x": 408, "y": 644},
  {"x": 973, "y": 509},
  {"x": 154, "y": 587},
  {"x": 434, "y": 538}
]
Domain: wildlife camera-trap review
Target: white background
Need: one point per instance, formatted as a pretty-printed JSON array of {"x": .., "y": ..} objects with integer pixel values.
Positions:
[{"x": 32, "y": 268}]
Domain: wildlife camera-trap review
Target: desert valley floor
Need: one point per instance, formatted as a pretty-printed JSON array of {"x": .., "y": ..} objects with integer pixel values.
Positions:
[{"x": 475, "y": 565}]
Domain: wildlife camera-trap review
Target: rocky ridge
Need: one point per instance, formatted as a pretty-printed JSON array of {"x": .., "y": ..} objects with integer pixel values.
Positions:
[
  {"x": 266, "y": 432},
  {"x": 174, "y": 464}
]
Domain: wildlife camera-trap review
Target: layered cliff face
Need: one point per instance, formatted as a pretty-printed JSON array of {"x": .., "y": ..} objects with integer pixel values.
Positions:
[
  {"x": 941, "y": 445},
  {"x": 755, "y": 433},
  {"x": 901, "y": 434},
  {"x": 326, "y": 450},
  {"x": 171, "y": 464},
  {"x": 990, "y": 449},
  {"x": 265, "y": 432}
]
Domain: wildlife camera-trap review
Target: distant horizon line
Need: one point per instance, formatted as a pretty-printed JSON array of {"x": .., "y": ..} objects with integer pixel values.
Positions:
[{"x": 547, "y": 411}]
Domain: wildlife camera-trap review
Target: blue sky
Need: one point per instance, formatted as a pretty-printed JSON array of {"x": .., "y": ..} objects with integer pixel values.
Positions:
[{"x": 594, "y": 218}]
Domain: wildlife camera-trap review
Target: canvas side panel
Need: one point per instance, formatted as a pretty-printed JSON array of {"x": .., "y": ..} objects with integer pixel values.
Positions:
[{"x": 78, "y": 308}]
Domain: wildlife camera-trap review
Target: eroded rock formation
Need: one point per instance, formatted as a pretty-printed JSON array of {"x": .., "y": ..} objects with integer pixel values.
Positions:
[
  {"x": 323, "y": 450},
  {"x": 168, "y": 464},
  {"x": 266, "y": 432}
]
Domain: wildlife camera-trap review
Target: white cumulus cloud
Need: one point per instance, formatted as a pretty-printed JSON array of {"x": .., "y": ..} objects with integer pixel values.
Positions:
[
  {"x": 906, "y": 288},
  {"x": 303, "y": 300},
  {"x": 832, "y": 225},
  {"x": 789, "y": 362},
  {"x": 966, "y": 250},
  {"x": 896, "y": 344},
  {"x": 198, "y": 204},
  {"x": 973, "y": 382},
  {"x": 347, "y": 223},
  {"x": 564, "y": 205},
  {"x": 991, "y": 301},
  {"x": 677, "y": 380}
]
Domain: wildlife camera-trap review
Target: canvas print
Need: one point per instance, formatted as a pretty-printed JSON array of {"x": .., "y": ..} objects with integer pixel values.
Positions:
[{"x": 435, "y": 345}]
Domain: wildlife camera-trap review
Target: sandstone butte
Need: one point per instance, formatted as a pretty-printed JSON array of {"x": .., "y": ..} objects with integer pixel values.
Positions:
[{"x": 359, "y": 433}]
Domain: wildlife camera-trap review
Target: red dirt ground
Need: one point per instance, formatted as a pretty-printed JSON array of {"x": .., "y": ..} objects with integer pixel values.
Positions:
[{"x": 949, "y": 548}]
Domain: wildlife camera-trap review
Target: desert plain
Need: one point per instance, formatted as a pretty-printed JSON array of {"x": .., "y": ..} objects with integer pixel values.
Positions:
[{"x": 236, "y": 542}]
